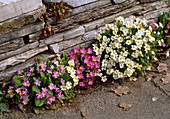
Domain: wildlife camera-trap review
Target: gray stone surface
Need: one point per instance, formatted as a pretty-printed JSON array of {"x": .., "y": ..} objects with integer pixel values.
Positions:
[
  {"x": 25, "y": 30},
  {"x": 54, "y": 48},
  {"x": 11, "y": 45},
  {"x": 74, "y": 3},
  {"x": 118, "y": 1},
  {"x": 90, "y": 6},
  {"x": 54, "y": 39},
  {"x": 93, "y": 25},
  {"x": 146, "y": 1},
  {"x": 20, "y": 58},
  {"x": 155, "y": 13},
  {"x": 70, "y": 43},
  {"x": 16, "y": 8},
  {"x": 103, "y": 104},
  {"x": 89, "y": 35},
  {"x": 20, "y": 50},
  {"x": 123, "y": 13},
  {"x": 74, "y": 33}
]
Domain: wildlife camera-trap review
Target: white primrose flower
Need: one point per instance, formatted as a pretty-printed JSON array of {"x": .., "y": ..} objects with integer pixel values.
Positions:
[
  {"x": 134, "y": 47},
  {"x": 76, "y": 79},
  {"x": 120, "y": 75},
  {"x": 68, "y": 85},
  {"x": 120, "y": 39},
  {"x": 147, "y": 47},
  {"x": 128, "y": 42},
  {"x": 103, "y": 78},
  {"x": 107, "y": 26},
  {"x": 63, "y": 87},
  {"x": 121, "y": 65},
  {"x": 150, "y": 28},
  {"x": 98, "y": 36},
  {"x": 160, "y": 24},
  {"x": 120, "y": 18},
  {"x": 103, "y": 67},
  {"x": 104, "y": 38},
  {"x": 151, "y": 39},
  {"x": 75, "y": 84},
  {"x": 167, "y": 54},
  {"x": 133, "y": 79},
  {"x": 102, "y": 30}
]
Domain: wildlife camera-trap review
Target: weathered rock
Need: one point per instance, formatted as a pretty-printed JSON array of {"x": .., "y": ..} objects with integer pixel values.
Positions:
[
  {"x": 16, "y": 8},
  {"x": 89, "y": 35},
  {"x": 54, "y": 48},
  {"x": 93, "y": 25},
  {"x": 90, "y": 6},
  {"x": 124, "y": 13},
  {"x": 74, "y": 33},
  {"x": 118, "y": 1},
  {"x": 25, "y": 30},
  {"x": 34, "y": 37},
  {"x": 20, "y": 50},
  {"x": 70, "y": 43},
  {"x": 155, "y": 13},
  {"x": 54, "y": 39},
  {"x": 24, "y": 19},
  {"x": 20, "y": 58},
  {"x": 146, "y": 1},
  {"x": 74, "y": 3},
  {"x": 11, "y": 45}
]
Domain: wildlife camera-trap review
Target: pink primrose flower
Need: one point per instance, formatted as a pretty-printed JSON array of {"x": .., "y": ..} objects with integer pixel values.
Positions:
[
  {"x": 87, "y": 75},
  {"x": 31, "y": 69},
  {"x": 168, "y": 18},
  {"x": 80, "y": 76},
  {"x": 20, "y": 71},
  {"x": 52, "y": 67},
  {"x": 71, "y": 52},
  {"x": 82, "y": 68},
  {"x": 94, "y": 59},
  {"x": 92, "y": 74},
  {"x": 79, "y": 71},
  {"x": 49, "y": 71},
  {"x": 62, "y": 81},
  {"x": 55, "y": 74},
  {"x": 86, "y": 60},
  {"x": 89, "y": 51},
  {"x": 76, "y": 50},
  {"x": 44, "y": 89},
  {"x": 82, "y": 84},
  {"x": 83, "y": 51},
  {"x": 62, "y": 67},
  {"x": 38, "y": 95},
  {"x": 37, "y": 82},
  {"x": 90, "y": 82},
  {"x": 51, "y": 86},
  {"x": 60, "y": 95}
]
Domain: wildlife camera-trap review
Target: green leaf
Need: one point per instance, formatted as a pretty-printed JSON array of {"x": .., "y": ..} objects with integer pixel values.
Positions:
[
  {"x": 34, "y": 78},
  {"x": 36, "y": 110},
  {"x": 17, "y": 80},
  {"x": 40, "y": 102},
  {"x": 87, "y": 70},
  {"x": 3, "y": 107},
  {"x": 42, "y": 74},
  {"x": 121, "y": 81},
  {"x": 43, "y": 59},
  {"x": 49, "y": 80},
  {"x": 66, "y": 76},
  {"x": 35, "y": 89}
]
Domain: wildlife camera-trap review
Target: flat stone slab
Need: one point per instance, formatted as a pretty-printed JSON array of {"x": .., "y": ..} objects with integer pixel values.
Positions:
[
  {"x": 73, "y": 3},
  {"x": 13, "y": 8}
]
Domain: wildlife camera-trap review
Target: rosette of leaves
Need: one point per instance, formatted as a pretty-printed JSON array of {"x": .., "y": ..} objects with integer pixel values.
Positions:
[
  {"x": 40, "y": 87},
  {"x": 165, "y": 19},
  {"x": 125, "y": 48},
  {"x": 59, "y": 9}
]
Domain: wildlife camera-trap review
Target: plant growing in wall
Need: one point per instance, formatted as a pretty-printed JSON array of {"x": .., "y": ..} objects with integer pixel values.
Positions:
[{"x": 59, "y": 9}]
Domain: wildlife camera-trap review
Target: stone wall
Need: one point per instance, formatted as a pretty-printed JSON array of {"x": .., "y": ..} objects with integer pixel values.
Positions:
[{"x": 21, "y": 38}]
